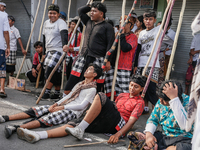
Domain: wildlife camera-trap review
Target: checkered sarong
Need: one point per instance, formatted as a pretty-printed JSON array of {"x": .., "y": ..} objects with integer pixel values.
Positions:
[
  {"x": 55, "y": 118},
  {"x": 120, "y": 125},
  {"x": 154, "y": 77},
  {"x": 11, "y": 59},
  {"x": 80, "y": 63},
  {"x": 122, "y": 81},
  {"x": 52, "y": 58}
]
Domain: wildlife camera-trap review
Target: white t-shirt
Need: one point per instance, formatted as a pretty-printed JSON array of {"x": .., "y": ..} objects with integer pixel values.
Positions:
[
  {"x": 170, "y": 34},
  {"x": 86, "y": 94},
  {"x": 4, "y": 26},
  {"x": 146, "y": 39},
  {"x": 196, "y": 45},
  {"x": 14, "y": 35},
  {"x": 52, "y": 34}
]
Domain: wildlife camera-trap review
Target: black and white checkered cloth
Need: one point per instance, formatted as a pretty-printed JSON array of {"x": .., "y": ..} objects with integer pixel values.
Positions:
[
  {"x": 122, "y": 81},
  {"x": 154, "y": 76},
  {"x": 11, "y": 59},
  {"x": 55, "y": 118},
  {"x": 52, "y": 58},
  {"x": 80, "y": 63},
  {"x": 67, "y": 59}
]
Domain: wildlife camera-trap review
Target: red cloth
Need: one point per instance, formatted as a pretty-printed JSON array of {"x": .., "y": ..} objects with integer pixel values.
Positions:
[
  {"x": 75, "y": 53},
  {"x": 129, "y": 106},
  {"x": 36, "y": 60},
  {"x": 126, "y": 58}
]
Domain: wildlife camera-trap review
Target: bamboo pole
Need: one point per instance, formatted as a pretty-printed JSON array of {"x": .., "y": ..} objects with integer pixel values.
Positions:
[
  {"x": 158, "y": 49},
  {"x": 118, "y": 53},
  {"x": 58, "y": 63},
  {"x": 42, "y": 60},
  {"x": 64, "y": 61},
  {"x": 175, "y": 40},
  {"x": 156, "y": 40},
  {"x": 84, "y": 144},
  {"x": 29, "y": 39}
]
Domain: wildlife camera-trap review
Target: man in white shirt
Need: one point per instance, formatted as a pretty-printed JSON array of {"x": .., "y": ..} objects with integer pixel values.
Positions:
[
  {"x": 4, "y": 35},
  {"x": 145, "y": 44},
  {"x": 2, "y": 6},
  {"x": 14, "y": 36},
  {"x": 70, "y": 107}
]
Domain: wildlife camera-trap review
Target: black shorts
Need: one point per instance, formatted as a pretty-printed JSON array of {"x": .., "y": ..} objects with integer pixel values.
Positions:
[
  {"x": 181, "y": 143},
  {"x": 56, "y": 78},
  {"x": 10, "y": 68},
  {"x": 106, "y": 121},
  {"x": 151, "y": 93}
]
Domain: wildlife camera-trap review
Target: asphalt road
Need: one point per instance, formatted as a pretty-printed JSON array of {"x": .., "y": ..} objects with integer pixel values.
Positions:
[{"x": 18, "y": 101}]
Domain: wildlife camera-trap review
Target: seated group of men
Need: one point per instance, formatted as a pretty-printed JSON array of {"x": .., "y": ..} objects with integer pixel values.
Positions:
[{"x": 118, "y": 117}]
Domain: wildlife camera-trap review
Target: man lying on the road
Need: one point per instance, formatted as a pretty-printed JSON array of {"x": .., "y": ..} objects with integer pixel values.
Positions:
[
  {"x": 70, "y": 107},
  {"x": 117, "y": 119}
]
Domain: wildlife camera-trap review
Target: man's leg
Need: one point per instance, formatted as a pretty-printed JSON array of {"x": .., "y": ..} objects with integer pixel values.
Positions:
[
  {"x": 2, "y": 84},
  {"x": 171, "y": 148},
  {"x": 19, "y": 116}
]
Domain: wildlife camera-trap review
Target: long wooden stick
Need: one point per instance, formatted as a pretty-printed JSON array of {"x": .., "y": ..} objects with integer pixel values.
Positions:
[
  {"x": 175, "y": 40},
  {"x": 84, "y": 144},
  {"x": 118, "y": 53},
  {"x": 42, "y": 60},
  {"x": 158, "y": 49},
  {"x": 58, "y": 63},
  {"x": 117, "y": 37},
  {"x": 156, "y": 40},
  {"x": 64, "y": 61},
  {"x": 27, "y": 46}
]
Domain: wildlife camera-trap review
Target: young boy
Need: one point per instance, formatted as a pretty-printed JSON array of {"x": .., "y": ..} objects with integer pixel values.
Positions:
[
  {"x": 145, "y": 44},
  {"x": 70, "y": 107},
  {"x": 102, "y": 117},
  {"x": 14, "y": 37},
  {"x": 33, "y": 73}
]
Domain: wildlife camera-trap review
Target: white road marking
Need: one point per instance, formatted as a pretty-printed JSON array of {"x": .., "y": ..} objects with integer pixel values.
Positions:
[
  {"x": 14, "y": 105},
  {"x": 87, "y": 134}
]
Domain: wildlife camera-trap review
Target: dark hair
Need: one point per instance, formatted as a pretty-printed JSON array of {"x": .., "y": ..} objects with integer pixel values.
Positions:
[
  {"x": 139, "y": 79},
  {"x": 38, "y": 43},
  {"x": 140, "y": 18},
  {"x": 97, "y": 70},
  {"x": 170, "y": 23},
  {"x": 159, "y": 22},
  {"x": 11, "y": 18},
  {"x": 100, "y": 7},
  {"x": 163, "y": 96},
  {"x": 110, "y": 22},
  {"x": 74, "y": 20},
  {"x": 54, "y": 7},
  {"x": 149, "y": 13}
]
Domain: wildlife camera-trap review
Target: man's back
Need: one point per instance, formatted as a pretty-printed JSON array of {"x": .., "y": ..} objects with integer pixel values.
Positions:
[{"x": 3, "y": 27}]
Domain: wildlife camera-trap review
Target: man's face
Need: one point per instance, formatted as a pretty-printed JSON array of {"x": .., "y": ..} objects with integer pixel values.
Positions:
[
  {"x": 1, "y": 8},
  {"x": 89, "y": 73},
  {"x": 53, "y": 15},
  {"x": 96, "y": 15},
  {"x": 38, "y": 49},
  {"x": 133, "y": 19},
  {"x": 11, "y": 23},
  {"x": 72, "y": 25},
  {"x": 134, "y": 89},
  {"x": 149, "y": 22},
  {"x": 163, "y": 102}
]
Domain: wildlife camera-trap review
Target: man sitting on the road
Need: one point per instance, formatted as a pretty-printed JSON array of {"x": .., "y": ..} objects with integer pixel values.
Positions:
[
  {"x": 70, "y": 107},
  {"x": 170, "y": 113},
  {"x": 116, "y": 120}
]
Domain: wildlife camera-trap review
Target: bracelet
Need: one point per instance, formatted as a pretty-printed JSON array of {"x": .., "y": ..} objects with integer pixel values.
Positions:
[{"x": 121, "y": 132}]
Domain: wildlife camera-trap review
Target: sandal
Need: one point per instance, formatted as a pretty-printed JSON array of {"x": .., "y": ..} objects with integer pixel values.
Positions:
[{"x": 3, "y": 94}]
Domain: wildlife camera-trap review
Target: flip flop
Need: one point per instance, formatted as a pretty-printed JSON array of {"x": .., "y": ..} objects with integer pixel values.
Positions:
[{"x": 3, "y": 94}]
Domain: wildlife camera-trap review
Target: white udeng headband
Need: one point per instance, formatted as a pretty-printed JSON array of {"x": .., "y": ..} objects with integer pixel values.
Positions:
[{"x": 2, "y": 3}]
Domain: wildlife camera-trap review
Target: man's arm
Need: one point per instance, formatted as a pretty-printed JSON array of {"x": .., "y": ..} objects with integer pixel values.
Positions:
[
  {"x": 21, "y": 45},
  {"x": 193, "y": 51},
  {"x": 114, "y": 138},
  {"x": 175, "y": 104},
  {"x": 82, "y": 11},
  {"x": 128, "y": 45},
  {"x": 7, "y": 39}
]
